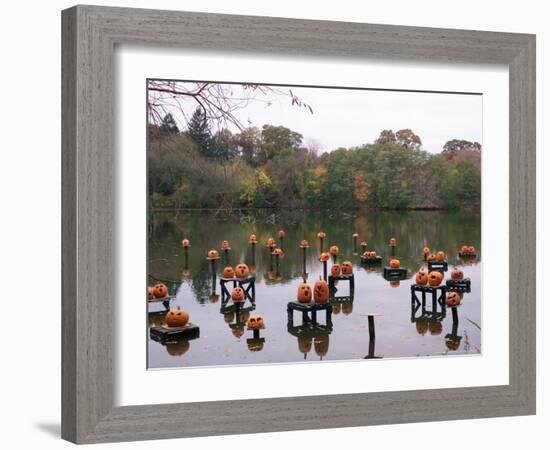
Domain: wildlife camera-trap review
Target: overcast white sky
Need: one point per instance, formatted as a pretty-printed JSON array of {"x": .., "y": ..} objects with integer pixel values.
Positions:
[{"x": 347, "y": 118}]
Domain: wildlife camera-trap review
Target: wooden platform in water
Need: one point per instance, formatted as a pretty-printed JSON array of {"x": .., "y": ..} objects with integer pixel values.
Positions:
[
  {"x": 309, "y": 311},
  {"x": 368, "y": 260},
  {"x": 395, "y": 274},
  {"x": 440, "y": 266},
  {"x": 459, "y": 285},
  {"x": 163, "y": 332},
  {"x": 467, "y": 255}
]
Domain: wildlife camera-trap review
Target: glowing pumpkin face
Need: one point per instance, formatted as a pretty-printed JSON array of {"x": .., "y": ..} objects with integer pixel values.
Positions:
[
  {"x": 421, "y": 277},
  {"x": 160, "y": 290},
  {"x": 237, "y": 295},
  {"x": 347, "y": 268},
  {"x": 335, "y": 270},
  {"x": 431, "y": 257},
  {"x": 213, "y": 254},
  {"x": 464, "y": 249},
  {"x": 440, "y": 256},
  {"x": 225, "y": 245},
  {"x": 453, "y": 299},
  {"x": 457, "y": 274},
  {"x": 304, "y": 293},
  {"x": 242, "y": 270},
  {"x": 185, "y": 243},
  {"x": 435, "y": 278},
  {"x": 304, "y": 244},
  {"x": 177, "y": 318},
  {"x": 373, "y": 254},
  {"x": 320, "y": 291},
  {"x": 395, "y": 263},
  {"x": 255, "y": 322},
  {"x": 393, "y": 242},
  {"x": 278, "y": 252},
  {"x": 325, "y": 256},
  {"x": 270, "y": 242},
  {"x": 471, "y": 249},
  {"x": 334, "y": 250},
  {"x": 363, "y": 245},
  {"x": 228, "y": 272}
]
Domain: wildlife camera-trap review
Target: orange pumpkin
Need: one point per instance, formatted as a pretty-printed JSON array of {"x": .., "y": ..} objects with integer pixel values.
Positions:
[
  {"x": 457, "y": 274},
  {"x": 395, "y": 263},
  {"x": 335, "y": 270},
  {"x": 355, "y": 235},
  {"x": 304, "y": 293},
  {"x": 453, "y": 299},
  {"x": 185, "y": 243},
  {"x": 242, "y": 270},
  {"x": 435, "y": 328},
  {"x": 373, "y": 254},
  {"x": 228, "y": 272},
  {"x": 270, "y": 242},
  {"x": 282, "y": 233},
  {"x": 252, "y": 239},
  {"x": 393, "y": 242},
  {"x": 320, "y": 292},
  {"x": 421, "y": 277},
  {"x": 321, "y": 235},
  {"x": 440, "y": 256},
  {"x": 347, "y": 268},
  {"x": 435, "y": 278},
  {"x": 225, "y": 245},
  {"x": 471, "y": 249},
  {"x": 431, "y": 257},
  {"x": 334, "y": 250},
  {"x": 363, "y": 245},
  {"x": 464, "y": 249},
  {"x": 177, "y": 318},
  {"x": 160, "y": 290},
  {"x": 213, "y": 254},
  {"x": 237, "y": 295},
  {"x": 304, "y": 244},
  {"x": 255, "y": 322},
  {"x": 325, "y": 256},
  {"x": 426, "y": 250}
]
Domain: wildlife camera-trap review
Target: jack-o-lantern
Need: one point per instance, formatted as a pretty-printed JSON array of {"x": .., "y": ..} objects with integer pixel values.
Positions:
[
  {"x": 426, "y": 250},
  {"x": 435, "y": 328},
  {"x": 366, "y": 254},
  {"x": 160, "y": 290},
  {"x": 395, "y": 283},
  {"x": 242, "y": 270},
  {"x": 304, "y": 293},
  {"x": 471, "y": 249},
  {"x": 347, "y": 268},
  {"x": 150, "y": 293},
  {"x": 363, "y": 245},
  {"x": 422, "y": 327},
  {"x": 255, "y": 322},
  {"x": 393, "y": 242},
  {"x": 282, "y": 233},
  {"x": 431, "y": 257},
  {"x": 321, "y": 235},
  {"x": 177, "y": 318},
  {"x": 422, "y": 277},
  {"x": 228, "y": 272},
  {"x": 320, "y": 292},
  {"x": 225, "y": 245},
  {"x": 185, "y": 243},
  {"x": 278, "y": 252},
  {"x": 452, "y": 299},
  {"x": 355, "y": 235},
  {"x": 347, "y": 308},
  {"x": 373, "y": 254},
  {"x": 252, "y": 239},
  {"x": 457, "y": 274},
  {"x": 334, "y": 250},
  {"x": 325, "y": 256},
  {"x": 270, "y": 242},
  {"x": 237, "y": 295},
  {"x": 335, "y": 270},
  {"x": 304, "y": 244},
  {"x": 395, "y": 263},
  {"x": 213, "y": 254},
  {"x": 435, "y": 278},
  {"x": 440, "y": 256},
  {"x": 464, "y": 249}
]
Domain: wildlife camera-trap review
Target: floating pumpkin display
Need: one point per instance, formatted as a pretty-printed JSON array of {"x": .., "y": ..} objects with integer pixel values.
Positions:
[
  {"x": 320, "y": 344},
  {"x": 150, "y": 293},
  {"x": 435, "y": 328},
  {"x": 422, "y": 277},
  {"x": 177, "y": 318},
  {"x": 320, "y": 292},
  {"x": 395, "y": 263},
  {"x": 185, "y": 243},
  {"x": 304, "y": 345},
  {"x": 255, "y": 322},
  {"x": 335, "y": 270},
  {"x": 228, "y": 272},
  {"x": 440, "y": 256},
  {"x": 395, "y": 283},
  {"x": 452, "y": 299},
  {"x": 213, "y": 254},
  {"x": 304, "y": 244},
  {"x": 393, "y": 242},
  {"x": 347, "y": 308},
  {"x": 304, "y": 293},
  {"x": 422, "y": 327},
  {"x": 426, "y": 250},
  {"x": 431, "y": 257},
  {"x": 242, "y": 270},
  {"x": 237, "y": 295},
  {"x": 347, "y": 268},
  {"x": 334, "y": 250},
  {"x": 252, "y": 239},
  {"x": 177, "y": 348},
  {"x": 435, "y": 278},
  {"x": 281, "y": 233},
  {"x": 160, "y": 290},
  {"x": 457, "y": 274},
  {"x": 225, "y": 245},
  {"x": 325, "y": 256},
  {"x": 321, "y": 235}
]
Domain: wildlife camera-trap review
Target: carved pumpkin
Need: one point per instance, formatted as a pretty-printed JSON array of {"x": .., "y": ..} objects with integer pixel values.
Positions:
[
  {"x": 304, "y": 244},
  {"x": 320, "y": 344},
  {"x": 185, "y": 243},
  {"x": 255, "y": 322},
  {"x": 237, "y": 295},
  {"x": 282, "y": 233},
  {"x": 373, "y": 254},
  {"x": 363, "y": 245},
  {"x": 242, "y": 270},
  {"x": 325, "y": 256},
  {"x": 395, "y": 263},
  {"x": 435, "y": 278},
  {"x": 225, "y": 245},
  {"x": 453, "y": 299},
  {"x": 426, "y": 251},
  {"x": 457, "y": 274},
  {"x": 304, "y": 293},
  {"x": 355, "y": 235},
  {"x": 464, "y": 249},
  {"x": 347, "y": 268},
  {"x": 334, "y": 250},
  {"x": 270, "y": 242},
  {"x": 321, "y": 235},
  {"x": 366, "y": 254},
  {"x": 278, "y": 251},
  {"x": 471, "y": 249},
  {"x": 228, "y": 272},
  {"x": 213, "y": 254},
  {"x": 150, "y": 293},
  {"x": 440, "y": 256},
  {"x": 393, "y": 242},
  {"x": 252, "y": 239},
  {"x": 435, "y": 328},
  {"x": 320, "y": 292},
  {"x": 347, "y": 308},
  {"x": 160, "y": 290},
  {"x": 177, "y": 318},
  {"x": 422, "y": 277},
  {"x": 335, "y": 270},
  {"x": 395, "y": 283},
  {"x": 431, "y": 257}
]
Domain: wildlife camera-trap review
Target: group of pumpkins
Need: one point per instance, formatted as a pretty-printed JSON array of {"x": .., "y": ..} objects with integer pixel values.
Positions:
[
  {"x": 159, "y": 290},
  {"x": 431, "y": 257},
  {"x": 435, "y": 278},
  {"x": 468, "y": 250},
  {"x": 240, "y": 271},
  {"x": 320, "y": 292}
]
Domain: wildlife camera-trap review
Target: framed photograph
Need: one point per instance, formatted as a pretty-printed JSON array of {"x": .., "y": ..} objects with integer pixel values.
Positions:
[{"x": 313, "y": 232}]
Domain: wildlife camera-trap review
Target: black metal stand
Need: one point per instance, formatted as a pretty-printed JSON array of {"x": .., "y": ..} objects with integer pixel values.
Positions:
[
  {"x": 333, "y": 278},
  {"x": 371, "y": 260},
  {"x": 391, "y": 274},
  {"x": 163, "y": 333},
  {"x": 438, "y": 265},
  {"x": 459, "y": 285},
  {"x": 309, "y": 308},
  {"x": 438, "y": 307}
]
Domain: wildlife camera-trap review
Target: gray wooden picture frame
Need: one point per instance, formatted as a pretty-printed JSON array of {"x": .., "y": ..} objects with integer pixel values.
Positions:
[{"x": 90, "y": 34}]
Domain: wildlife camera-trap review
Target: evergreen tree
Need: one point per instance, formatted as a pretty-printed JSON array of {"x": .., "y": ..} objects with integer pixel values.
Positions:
[
  {"x": 168, "y": 125},
  {"x": 199, "y": 132}
]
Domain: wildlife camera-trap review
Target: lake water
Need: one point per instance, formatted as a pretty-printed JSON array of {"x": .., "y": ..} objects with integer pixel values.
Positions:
[{"x": 224, "y": 338}]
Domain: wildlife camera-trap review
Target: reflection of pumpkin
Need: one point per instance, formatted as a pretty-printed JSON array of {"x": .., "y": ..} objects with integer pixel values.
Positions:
[
  {"x": 237, "y": 331},
  {"x": 177, "y": 348},
  {"x": 395, "y": 283},
  {"x": 304, "y": 293},
  {"x": 325, "y": 256},
  {"x": 440, "y": 256},
  {"x": 452, "y": 343},
  {"x": 395, "y": 263},
  {"x": 435, "y": 278},
  {"x": 242, "y": 270},
  {"x": 214, "y": 298},
  {"x": 336, "y": 308},
  {"x": 435, "y": 328},
  {"x": 457, "y": 274},
  {"x": 335, "y": 270},
  {"x": 228, "y": 272},
  {"x": 347, "y": 268},
  {"x": 228, "y": 317},
  {"x": 431, "y": 257},
  {"x": 347, "y": 308},
  {"x": 393, "y": 242},
  {"x": 304, "y": 244},
  {"x": 252, "y": 239},
  {"x": 255, "y": 345},
  {"x": 281, "y": 233},
  {"x": 452, "y": 299},
  {"x": 237, "y": 295},
  {"x": 213, "y": 254},
  {"x": 320, "y": 343},
  {"x": 426, "y": 251},
  {"x": 422, "y": 327},
  {"x": 421, "y": 277},
  {"x": 334, "y": 250},
  {"x": 225, "y": 245},
  {"x": 255, "y": 322},
  {"x": 321, "y": 235},
  {"x": 177, "y": 318},
  {"x": 160, "y": 290},
  {"x": 320, "y": 291},
  {"x": 185, "y": 243},
  {"x": 150, "y": 293},
  {"x": 304, "y": 344}
]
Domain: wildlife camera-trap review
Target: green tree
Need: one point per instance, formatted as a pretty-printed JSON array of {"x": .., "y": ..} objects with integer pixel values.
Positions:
[
  {"x": 168, "y": 126},
  {"x": 249, "y": 143},
  {"x": 199, "y": 132},
  {"x": 277, "y": 138},
  {"x": 386, "y": 137},
  {"x": 408, "y": 139}
]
